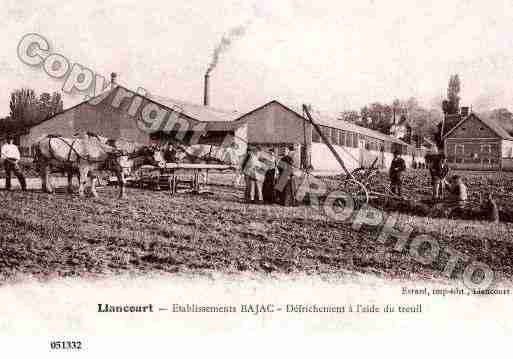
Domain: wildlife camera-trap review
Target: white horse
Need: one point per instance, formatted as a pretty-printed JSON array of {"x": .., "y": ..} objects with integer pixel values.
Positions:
[{"x": 87, "y": 154}]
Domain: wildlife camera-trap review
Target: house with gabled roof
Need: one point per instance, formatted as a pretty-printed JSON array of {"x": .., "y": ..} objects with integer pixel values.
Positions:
[{"x": 480, "y": 144}]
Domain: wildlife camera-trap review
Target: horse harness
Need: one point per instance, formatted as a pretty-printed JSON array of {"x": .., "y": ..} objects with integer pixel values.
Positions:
[{"x": 72, "y": 149}]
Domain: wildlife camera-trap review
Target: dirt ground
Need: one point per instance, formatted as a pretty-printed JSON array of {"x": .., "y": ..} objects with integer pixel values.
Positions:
[{"x": 48, "y": 236}]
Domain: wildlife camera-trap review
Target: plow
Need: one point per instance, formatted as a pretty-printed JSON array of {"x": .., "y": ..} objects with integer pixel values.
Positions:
[{"x": 362, "y": 184}]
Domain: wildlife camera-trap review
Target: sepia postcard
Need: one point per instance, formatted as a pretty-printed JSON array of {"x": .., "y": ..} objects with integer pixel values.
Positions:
[{"x": 254, "y": 178}]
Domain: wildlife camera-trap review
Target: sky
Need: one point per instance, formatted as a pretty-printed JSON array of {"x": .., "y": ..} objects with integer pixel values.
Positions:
[{"x": 335, "y": 55}]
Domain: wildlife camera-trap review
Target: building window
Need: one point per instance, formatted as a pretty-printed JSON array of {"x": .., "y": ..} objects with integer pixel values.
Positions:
[
  {"x": 334, "y": 136},
  {"x": 351, "y": 139},
  {"x": 459, "y": 149},
  {"x": 486, "y": 148},
  {"x": 315, "y": 136},
  {"x": 326, "y": 131},
  {"x": 342, "y": 138}
]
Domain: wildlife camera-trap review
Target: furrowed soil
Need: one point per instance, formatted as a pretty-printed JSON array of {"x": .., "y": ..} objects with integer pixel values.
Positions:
[{"x": 61, "y": 235}]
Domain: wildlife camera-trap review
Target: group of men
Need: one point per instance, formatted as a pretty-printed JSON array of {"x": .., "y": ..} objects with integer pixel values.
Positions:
[
  {"x": 439, "y": 171},
  {"x": 10, "y": 156},
  {"x": 276, "y": 185}
]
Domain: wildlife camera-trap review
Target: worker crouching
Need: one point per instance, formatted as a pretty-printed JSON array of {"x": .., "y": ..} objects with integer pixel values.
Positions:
[{"x": 457, "y": 196}]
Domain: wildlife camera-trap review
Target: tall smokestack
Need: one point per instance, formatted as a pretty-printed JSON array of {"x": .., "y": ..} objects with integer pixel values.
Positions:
[{"x": 205, "y": 90}]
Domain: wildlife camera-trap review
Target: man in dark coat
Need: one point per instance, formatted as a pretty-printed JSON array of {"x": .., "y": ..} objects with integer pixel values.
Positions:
[
  {"x": 439, "y": 171},
  {"x": 268, "y": 191},
  {"x": 285, "y": 171},
  {"x": 397, "y": 167}
]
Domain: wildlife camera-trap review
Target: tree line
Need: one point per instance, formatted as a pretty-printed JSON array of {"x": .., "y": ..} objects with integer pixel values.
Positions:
[
  {"x": 424, "y": 122},
  {"x": 27, "y": 109},
  {"x": 381, "y": 116}
]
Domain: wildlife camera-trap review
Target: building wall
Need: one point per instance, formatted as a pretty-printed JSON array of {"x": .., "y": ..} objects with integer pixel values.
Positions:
[
  {"x": 275, "y": 124},
  {"x": 472, "y": 128},
  {"x": 474, "y": 146},
  {"x": 474, "y": 153},
  {"x": 62, "y": 124},
  {"x": 114, "y": 117},
  {"x": 324, "y": 161},
  {"x": 507, "y": 149}
]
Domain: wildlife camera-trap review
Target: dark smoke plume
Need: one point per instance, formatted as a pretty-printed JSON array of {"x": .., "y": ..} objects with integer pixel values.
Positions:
[{"x": 225, "y": 43}]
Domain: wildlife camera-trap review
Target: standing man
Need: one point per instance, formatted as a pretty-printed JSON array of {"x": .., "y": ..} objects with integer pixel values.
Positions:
[
  {"x": 286, "y": 180},
  {"x": 231, "y": 157},
  {"x": 439, "y": 171},
  {"x": 397, "y": 167},
  {"x": 254, "y": 180},
  {"x": 10, "y": 154},
  {"x": 268, "y": 190}
]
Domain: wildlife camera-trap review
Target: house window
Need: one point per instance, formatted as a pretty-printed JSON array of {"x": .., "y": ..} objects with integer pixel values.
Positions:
[
  {"x": 459, "y": 149},
  {"x": 486, "y": 148}
]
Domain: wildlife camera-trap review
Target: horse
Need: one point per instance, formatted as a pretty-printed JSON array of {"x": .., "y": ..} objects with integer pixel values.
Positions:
[{"x": 89, "y": 154}]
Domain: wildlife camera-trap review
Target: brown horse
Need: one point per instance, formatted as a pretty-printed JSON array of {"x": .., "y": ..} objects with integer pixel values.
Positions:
[{"x": 88, "y": 154}]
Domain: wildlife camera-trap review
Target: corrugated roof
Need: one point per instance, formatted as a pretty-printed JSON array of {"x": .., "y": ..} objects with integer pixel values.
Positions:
[
  {"x": 348, "y": 126},
  {"x": 198, "y": 112}
]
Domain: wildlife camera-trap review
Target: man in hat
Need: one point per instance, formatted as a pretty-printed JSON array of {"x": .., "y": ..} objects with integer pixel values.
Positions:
[
  {"x": 10, "y": 154},
  {"x": 254, "y": 180},
  {"x": 286, "y": 178},
  {"x": 397, "y": 167},
  {"x": 439, "y": 171},
  {"x": 268, "y": 190}
]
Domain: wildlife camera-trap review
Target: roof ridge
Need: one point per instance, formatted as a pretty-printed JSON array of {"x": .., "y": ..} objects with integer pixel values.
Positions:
[{"x": 217, "y": 109}]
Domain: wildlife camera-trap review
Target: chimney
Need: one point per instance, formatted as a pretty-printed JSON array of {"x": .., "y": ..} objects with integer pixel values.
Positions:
[
  {"x": 205, "y": 90},
  {"x": 113, "y": 79},
  {"x": 464, "y": 111}
]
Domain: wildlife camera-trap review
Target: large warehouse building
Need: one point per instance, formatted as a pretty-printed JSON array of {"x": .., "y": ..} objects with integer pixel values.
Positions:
[
  {"x": 275, "y": 125},
  {"x": 121, "y": 113}
]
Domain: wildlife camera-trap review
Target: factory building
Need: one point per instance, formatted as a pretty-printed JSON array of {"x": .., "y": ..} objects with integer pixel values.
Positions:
[{"x": 121, "y": 113}]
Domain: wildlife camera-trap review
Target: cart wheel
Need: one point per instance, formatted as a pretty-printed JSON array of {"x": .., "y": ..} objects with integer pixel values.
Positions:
[
  {"x": 357, "y": 191},
  {"x": 380, "y": 196}
]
